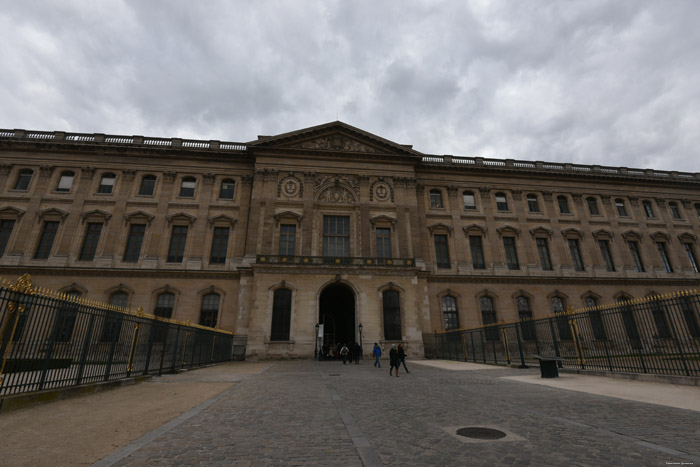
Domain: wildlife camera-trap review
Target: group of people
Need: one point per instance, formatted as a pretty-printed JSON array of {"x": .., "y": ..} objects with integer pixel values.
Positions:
[
  {"x": 342, "y": 352},
  {"x": 397, "y": 356}
]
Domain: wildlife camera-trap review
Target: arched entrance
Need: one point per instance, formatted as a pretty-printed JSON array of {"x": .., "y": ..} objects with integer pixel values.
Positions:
[{"x": 336, "y": 311}]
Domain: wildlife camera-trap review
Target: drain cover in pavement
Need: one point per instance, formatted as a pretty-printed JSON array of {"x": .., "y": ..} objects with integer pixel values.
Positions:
[{"x": 480, "y": 433}]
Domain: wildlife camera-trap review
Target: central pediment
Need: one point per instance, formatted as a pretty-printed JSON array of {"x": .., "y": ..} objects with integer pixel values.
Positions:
[{"x": 334, "y": 137}]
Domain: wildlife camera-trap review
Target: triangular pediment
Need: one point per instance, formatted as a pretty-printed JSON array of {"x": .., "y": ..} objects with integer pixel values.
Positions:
[{"x": 334, "y": 137}]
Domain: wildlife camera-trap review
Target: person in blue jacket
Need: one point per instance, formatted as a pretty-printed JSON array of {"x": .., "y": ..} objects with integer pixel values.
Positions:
[{"x": 377, "y": 351}]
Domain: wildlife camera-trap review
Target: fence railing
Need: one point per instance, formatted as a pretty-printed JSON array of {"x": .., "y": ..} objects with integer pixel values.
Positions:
[
  {"x": 51, "y": 340},
  {"x": 656, "y": 335}
]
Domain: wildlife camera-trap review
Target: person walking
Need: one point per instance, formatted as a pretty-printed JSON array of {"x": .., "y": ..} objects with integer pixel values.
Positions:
[
  {"x": 402, "y": 359},
  {"x": 377, "y": 352},
  {"x": 344, "y": 353},
  {"x": 394, "y": 360},
  {"x": 358, "y": 353}
]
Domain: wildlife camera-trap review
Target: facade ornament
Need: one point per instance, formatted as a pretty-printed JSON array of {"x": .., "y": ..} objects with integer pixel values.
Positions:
[
  {"x": 605, "y": 199},
  {"x": 547, "y": 195},
  {"x": 452, "y": 191},
  {"x": 578, "y": 198},
  {"x": 309, "y": 177},
  {"x": 128, "y": 174},
  {"x": 169, "y": 176},
  {"x": 290, "y": 186},
  {"x": 138, "y": 215},
  {"x": 420, "y": 189},
  {"x": 485, "y": 191},
  {"x": 87, "y": 172},
  {"x": 351, "y": 181},
  {"x": 5, "y": 168},
  {"x": 634, "y": 201},
  {"x": 686, "y": 203},
  {"x": 247, "y": 179},
  {"x": 508, "y": 229},
  {"x": 660, "y": 201},
  {"x": 336, "y": 194},
  {"x": 46, "y": 170},
  {"x": 381, "y": 190},
  {"x": 336, "y": 143},
  {"x": 516, "y": 194},
  {"x": 181, "y": 216},
  {"x": 208, "y": 178}
]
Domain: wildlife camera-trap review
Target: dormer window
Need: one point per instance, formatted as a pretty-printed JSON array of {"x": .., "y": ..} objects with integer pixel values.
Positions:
[
  {"x": 187, "y": 187},
  {"x": 436, "y": 199},
  {"x": 107, "y": 183},
  {"x": 65, "y": 183}
]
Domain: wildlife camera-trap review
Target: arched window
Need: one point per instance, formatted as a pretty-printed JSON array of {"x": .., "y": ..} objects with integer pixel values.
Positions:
[
  {"x": 629, "y": 322},
  {"x": 210, "y": 310},
  {"x": 562, "y": 320},
  {"x": 532, "y": 203},
  {"x": 65, "y": 183},
  {"x": 488, "y": 316},
  {"x": 648, "y": 209},
  {"x": 436, "y": 199},
  {"x": 620, "y": 205},
  {"x": 148, "y": 185},
  {"x": 187, "y": 187},
  {"x": 228, "y": 186},
  {"x": 675, "y": 212},
  {"x": 392, "y": 315},
  {"x": 281, "y": 315},
  {"x": 24, "y": 177},
  {"x": 595, "y": 318},
  {"x": 107, "y": 183},
  {"x": 113, "y": 322},
  {"x": 592, "y": 206},
  {"x": 563, "y": 204},
  {"x": 525, "y": 315},
  {"x": 450, "y": 313},
  {"x": 469, "y": 201},
  {"x": 501, "y": 202},
  {"x": 164, "y": 305}
]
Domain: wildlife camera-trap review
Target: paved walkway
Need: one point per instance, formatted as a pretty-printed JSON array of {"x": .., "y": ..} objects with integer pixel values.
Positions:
[{"x": 325, "y": 413}]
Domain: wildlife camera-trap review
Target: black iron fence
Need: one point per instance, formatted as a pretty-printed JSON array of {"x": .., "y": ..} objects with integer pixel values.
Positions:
[
  {"x": 50, "y": 340},
  {"x": 656, "y": 335}
]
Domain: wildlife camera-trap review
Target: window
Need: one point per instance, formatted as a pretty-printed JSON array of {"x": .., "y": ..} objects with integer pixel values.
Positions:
[
  {"x": 176, "y": 252},
  {"x": 113, "y": 322},
  {"x": 629, "y": 322},
  {"x": 592, "y": 206},
  {"x": 469, "y": 201},
  {"x": 687, "y": 246},
  {"x": 532, "y": 203},
  {"x": 187, "y": 187},
  {"x": 392, "y": 315},
  {"x": 66, "y": 316},
  {"x": 675, "y": 212},
  {"x": 65, "y": 182},
  {"x": 288, "y": 234},
  {"x": 92, "y": 238},
  {"x": 690, "y": 314},
  {"x": 663, "y": 254},
  {"x": 596, "y": 319},
  {"x": 48, "y": 235},
  {"x": 525, "y": 316},
  {"x": 210, "y": 310},
  {"x": 6, "y": 227},
  {"x": 648, "y": 210},
  {"x": 281, "y": 315},
  {"x": 336, "y": 236},
  {"x": 24, "y": 177},
  {"x": 164, "y": 305},
  {"x": 450, "y": 313},
  {"x": 543, "y": 251},
  {"x": 636, "y": 255},
  {"x": 607, "y": 256},
  {"x": 657, "y": 311},
  {"x": 562, "y": 320},
  {"x": 563, "y": 204},
  {"x": 442, "y": 252},
  {"x": 107, "y": 183},
  {"x": 511, "y": 253},
  {"x": 148, "y": 185},
  {"x": 488, "y": 316},
  {"x": 383, "y": 243},
  {"x": 501, "y": 202},
  {"x": 620, "y": 205},
  {"x": 477, "y": 249},
  {"x": 436, "y": 199},
  {"x": 134, "y": 242},
  {"x": 219, "y": 245},
  {"x": 227, "y": 188},
  {"x": 576, "y": 254}
]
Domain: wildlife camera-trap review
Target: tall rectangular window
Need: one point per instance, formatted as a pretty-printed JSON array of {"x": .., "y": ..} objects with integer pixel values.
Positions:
[
  {"x": 687, "y": 246},
  {"x": 592, "y": 206},
  {"x": 663, "y": 254},
  {"x": 219, "y": 245},
  {"x": 442, "y": 252},
  {"x": 92, "y": 238},
  {"x": 383, "y": 243},
  {"x": 336, "y": 236},
  {"x": 576, "y": 254},
  {"x": 176, "y": 252},
  {"x": 6, "y": 227},
  {"x": 511, "y": 253},
  {"x": 477, "y": 249},
  {"x": 543, "y": 251},
  {"x": 636, "y": 255},
  {"x": 607, "y": 256},
  {"x": 48, "y": 235},
  {"x": 288, "y": 234},
  {"x": 134, "y": 242}
]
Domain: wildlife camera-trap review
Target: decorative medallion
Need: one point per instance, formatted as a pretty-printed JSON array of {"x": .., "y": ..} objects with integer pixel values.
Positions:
[
  {"x": 382, "y": 191},
  {"x": 290, "y": 187}
]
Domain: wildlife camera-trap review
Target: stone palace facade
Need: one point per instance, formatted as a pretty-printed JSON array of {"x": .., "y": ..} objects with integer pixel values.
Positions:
[{"x": 333, "y": 225}]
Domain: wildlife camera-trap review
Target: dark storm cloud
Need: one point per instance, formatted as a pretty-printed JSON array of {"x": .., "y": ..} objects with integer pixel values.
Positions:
[{"x": 600, "y": 82}]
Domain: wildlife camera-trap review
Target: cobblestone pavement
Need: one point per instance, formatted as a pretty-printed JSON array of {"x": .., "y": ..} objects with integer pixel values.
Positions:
[{"x": 326, "y": 413}]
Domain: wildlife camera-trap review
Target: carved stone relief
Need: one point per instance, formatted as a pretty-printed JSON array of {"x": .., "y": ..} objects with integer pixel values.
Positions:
[
  {"x": 336, "y": 194},
  {"x": 348, "y": 180},
  {"x": 336, "y": 143},
  {"x": 290, "y": 186}
]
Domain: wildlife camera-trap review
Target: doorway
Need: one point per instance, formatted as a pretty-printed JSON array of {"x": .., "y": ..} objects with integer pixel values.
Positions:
[{"x": 337, "y": 314}]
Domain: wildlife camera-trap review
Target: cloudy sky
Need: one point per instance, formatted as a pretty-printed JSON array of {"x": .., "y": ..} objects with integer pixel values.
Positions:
[{"x": 598, "y": 82}]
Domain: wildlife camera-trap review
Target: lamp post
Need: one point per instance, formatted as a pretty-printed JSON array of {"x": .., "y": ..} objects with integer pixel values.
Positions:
[
  {"x": 362, "y": 357},
  {"x": 316, "y": 343}
]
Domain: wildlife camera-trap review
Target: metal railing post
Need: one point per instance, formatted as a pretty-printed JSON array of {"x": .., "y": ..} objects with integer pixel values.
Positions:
[
  {"x": 86, "y": 347},
  {"x": 177, "y": 339},
  {"x": 150, "y": 350},
  {"x": 132, "y": 351},
  {"x": 520, "y": 346},
  {"x": 554, "y": 342}
]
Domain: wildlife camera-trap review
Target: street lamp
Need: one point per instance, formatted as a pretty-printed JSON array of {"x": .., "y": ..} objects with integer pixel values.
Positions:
[
  {"x": 362, "y": 357},
  {"x": 316, "y": 345}
]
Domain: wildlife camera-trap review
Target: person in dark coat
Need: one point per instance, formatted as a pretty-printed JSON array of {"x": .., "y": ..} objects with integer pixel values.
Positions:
[
  {"x": 394, "y": 360},
  {"x": 402, "y": 359},
  {"x": 344, "y": 351},
  {"x": 358, "y": 353}
]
